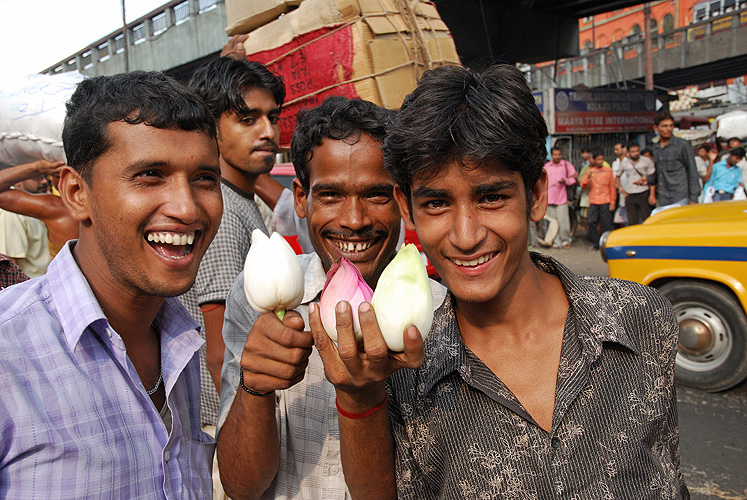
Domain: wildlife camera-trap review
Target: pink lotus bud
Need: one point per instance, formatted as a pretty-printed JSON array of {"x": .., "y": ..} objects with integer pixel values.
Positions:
[{"x": 344, "y": 282}]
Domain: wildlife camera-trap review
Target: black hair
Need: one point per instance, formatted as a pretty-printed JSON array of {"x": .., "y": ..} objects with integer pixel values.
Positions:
[
  {"x": 661, "y": 116},
  {"x": 585, "y": 150},
  {"x": 223, "y": 81},
  {"x": 646, "y": 151},
  {"x": 734, "y": 139},
  {"x": 619, "y": 143},
  {"x": 457, "y": 114},
  {"x": 597, "y": 152},
  {"x": 738, "y": 152},
  {"x": 556, "y": 148},
  {"x": 704, "y": 146},
  {"x": 632, "y": 144},
  {"x": 151, "y": 98},
  {"x": 337, "y": 118}
]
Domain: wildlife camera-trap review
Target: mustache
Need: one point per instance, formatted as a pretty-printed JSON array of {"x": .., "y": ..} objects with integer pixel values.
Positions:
[
  {"x": 367, "y": 234},
  {"x": 266, "y": 146}
]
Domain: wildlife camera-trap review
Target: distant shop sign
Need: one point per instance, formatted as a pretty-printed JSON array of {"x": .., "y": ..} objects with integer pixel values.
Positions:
[{"x": 601, "y": 111}]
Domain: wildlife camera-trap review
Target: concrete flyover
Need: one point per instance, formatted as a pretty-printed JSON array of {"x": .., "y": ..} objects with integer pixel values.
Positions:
[{"x": 707, "y": 51}]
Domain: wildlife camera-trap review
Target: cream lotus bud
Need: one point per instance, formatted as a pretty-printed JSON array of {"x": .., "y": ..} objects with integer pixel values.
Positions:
[
  {"x": 403, "y": 297},
  {"x": 273, "y": 279},
  {"x": 344, "y": 282}
]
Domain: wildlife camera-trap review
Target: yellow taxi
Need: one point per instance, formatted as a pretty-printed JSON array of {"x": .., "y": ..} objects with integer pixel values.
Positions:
[{"x": 696, "y": 256}]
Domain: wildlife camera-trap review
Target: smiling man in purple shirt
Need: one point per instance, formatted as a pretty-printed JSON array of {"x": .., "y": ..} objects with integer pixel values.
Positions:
[{"x": 99, "y": 362}]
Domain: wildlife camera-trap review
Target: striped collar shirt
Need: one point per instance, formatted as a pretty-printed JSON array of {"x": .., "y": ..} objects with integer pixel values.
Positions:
[
  {"x": 310, "y": 466},
  {"x": 75, "y": 418},
  {"x": 461, "y": 433}
]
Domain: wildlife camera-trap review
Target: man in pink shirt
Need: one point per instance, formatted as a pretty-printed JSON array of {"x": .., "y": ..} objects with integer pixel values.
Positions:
[
  {"x": 560, "y": 173},
  {"x": 602, "y": 197}
]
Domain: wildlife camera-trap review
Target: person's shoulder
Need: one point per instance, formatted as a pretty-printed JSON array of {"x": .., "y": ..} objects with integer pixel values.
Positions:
[
  {"x": 630, "y": 301},
  {"x": 24, "y": 300}
]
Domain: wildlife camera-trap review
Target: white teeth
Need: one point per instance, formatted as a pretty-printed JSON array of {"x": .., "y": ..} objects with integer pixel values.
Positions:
[
  {"x": 169, "y": 238},
  {"x": 471, "y": 263},
  {"x": 352, "y": 247}
]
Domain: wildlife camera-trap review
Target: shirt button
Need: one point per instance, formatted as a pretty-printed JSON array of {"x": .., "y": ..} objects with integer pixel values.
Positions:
[
  {"x": 555, "y": 442},
  {"x": 109, "y": 332},
  {"x": 334, "y": 470},
  {"x": 167, "y": 456}
]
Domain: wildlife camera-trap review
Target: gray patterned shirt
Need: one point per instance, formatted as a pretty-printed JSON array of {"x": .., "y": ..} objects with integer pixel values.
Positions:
[
  {"x": 222, "y": 262},
  {"x": 461, "y": 433}
]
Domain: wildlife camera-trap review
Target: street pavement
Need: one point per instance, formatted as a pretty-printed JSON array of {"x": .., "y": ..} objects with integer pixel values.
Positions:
[{"x": 713, "y": 427}]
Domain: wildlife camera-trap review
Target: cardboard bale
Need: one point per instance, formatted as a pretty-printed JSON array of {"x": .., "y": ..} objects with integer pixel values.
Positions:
[
  {"x": 242, "y": 16},
  {"x": 370, "y": 49}
]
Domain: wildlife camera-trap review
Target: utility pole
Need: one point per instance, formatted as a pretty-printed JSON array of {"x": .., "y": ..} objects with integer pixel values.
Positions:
[
  {"x": 647, "y": 57},
  {"x": 126, "y": 39}
]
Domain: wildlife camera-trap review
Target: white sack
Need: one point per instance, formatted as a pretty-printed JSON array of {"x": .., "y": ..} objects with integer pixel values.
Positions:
[{"x": 32, "y": 110}]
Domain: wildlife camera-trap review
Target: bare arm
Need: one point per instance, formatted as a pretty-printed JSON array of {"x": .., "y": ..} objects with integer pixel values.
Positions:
[
  {"x": 712, "y": 155},
  {"x": 269, "y": 190},
  {"x": 366, "y": 444},
  {"x": 13, "y": 175},
  {"x": 212, "y": 315},
  {"x": 46, "y": 207},
  {"x": 274, "y": 357}
]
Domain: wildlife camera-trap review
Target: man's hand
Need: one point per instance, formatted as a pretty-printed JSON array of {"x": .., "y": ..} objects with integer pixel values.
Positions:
[
  {"x": 652, "y": 199},
  {"x": 643, "y": 181},
  {"x": 623, "y": 192},
  {"x": 235, "y": 47},
  {"x": 359, "y": 375},
  {"x": 276, "y": 353},
  {"x": 712, "y": 154},
  {"x": 612, "y": 207},
  {"x": 45, "y": 167}
]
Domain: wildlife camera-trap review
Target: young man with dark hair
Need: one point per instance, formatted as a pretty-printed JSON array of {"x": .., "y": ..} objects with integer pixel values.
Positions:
[
  {"x": 246, "y": 99},
  {"x": 725, "y": 175},
  {"x": 637, "y": 198},
  {"x": 98, "y": 359},
  {"x": 278, "y": 425},
  {"x": 600, "y": 180},
  {"x": 536, "y": 383},
  {"x": 676, "y": 176}
]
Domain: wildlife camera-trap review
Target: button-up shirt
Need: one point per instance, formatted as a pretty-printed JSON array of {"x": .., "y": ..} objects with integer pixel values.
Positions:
[
  {"x": 10, "y": 273},
  {"x": 559, "y": 175},
  {"x": 725, "y": 178},
  {"x": 75, "y": 419},
  {"x": 631, "y": 171},
  {"x": 310, "y": 465},
  {"x": 601, "y": 182},
  {"x": 461, "y": 433},
  {"x": 676, "y": 175}
]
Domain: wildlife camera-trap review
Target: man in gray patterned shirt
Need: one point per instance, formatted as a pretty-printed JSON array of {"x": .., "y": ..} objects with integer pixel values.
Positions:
[
  {"x": 245, "y": 99},
  {"x": 534, "y": 383}
]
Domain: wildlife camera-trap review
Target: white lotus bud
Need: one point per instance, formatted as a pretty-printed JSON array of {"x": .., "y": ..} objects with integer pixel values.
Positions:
[
  {"x": 403, "y": 297},
  {"x": 273, "y": 279}
]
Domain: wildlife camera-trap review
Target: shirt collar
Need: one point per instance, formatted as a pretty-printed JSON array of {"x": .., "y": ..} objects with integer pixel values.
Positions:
[
  {"x": 79, "y": 309},
  {"x": 595, "y": 321}
]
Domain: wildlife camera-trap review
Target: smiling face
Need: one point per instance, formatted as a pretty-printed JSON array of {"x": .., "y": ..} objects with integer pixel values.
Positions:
[
  {"x": 248, "y": 142},
  {"x": 473, "y": 226},
  {"x": 150, "y": 211},
  {"x": 350, "y": 208}
]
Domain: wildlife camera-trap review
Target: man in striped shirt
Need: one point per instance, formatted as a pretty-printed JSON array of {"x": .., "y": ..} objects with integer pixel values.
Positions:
[{"x": 99, "y": 360}]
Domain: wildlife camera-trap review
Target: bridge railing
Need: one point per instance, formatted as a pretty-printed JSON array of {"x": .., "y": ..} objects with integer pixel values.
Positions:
[
  {"x": 138, "y": 31},
  {"x": 606, "y": 63}
]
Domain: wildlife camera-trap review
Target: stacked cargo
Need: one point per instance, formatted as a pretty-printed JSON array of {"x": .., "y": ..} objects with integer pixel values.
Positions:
[{"x": 371, "y": 49}]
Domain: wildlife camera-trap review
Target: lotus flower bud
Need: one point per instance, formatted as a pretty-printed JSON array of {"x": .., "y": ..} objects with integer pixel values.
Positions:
[
  {"x": 273, "y": 279},
  {"x": 403, "y": 297},
  {"x": 344, "y": 282}
]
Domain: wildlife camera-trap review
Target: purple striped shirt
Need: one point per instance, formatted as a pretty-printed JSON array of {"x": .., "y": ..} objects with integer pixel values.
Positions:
[{"x": 75, "y": 419}]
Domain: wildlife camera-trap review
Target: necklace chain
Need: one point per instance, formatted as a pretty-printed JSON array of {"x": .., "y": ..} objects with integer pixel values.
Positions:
[{"x": 158, "y": 384}]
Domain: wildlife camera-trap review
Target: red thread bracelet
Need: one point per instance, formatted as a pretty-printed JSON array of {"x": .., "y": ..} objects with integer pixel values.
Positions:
[
  {"x": 208, "y": 309},
  {"x": 365, "y": 414}
]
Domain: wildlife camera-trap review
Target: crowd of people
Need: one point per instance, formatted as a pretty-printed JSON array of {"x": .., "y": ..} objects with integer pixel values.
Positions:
[
  {"x": 134, "y": 367},
  {"x": 638, "y": 182}
]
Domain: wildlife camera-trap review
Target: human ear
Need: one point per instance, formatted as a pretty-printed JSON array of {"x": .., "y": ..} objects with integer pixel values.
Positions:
[
  {"x": 299, "y": 198},
  {"x": 404, "y": 208},
  {"x": 75, "y": 194},
  {"x": 538, "y": 206}
]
